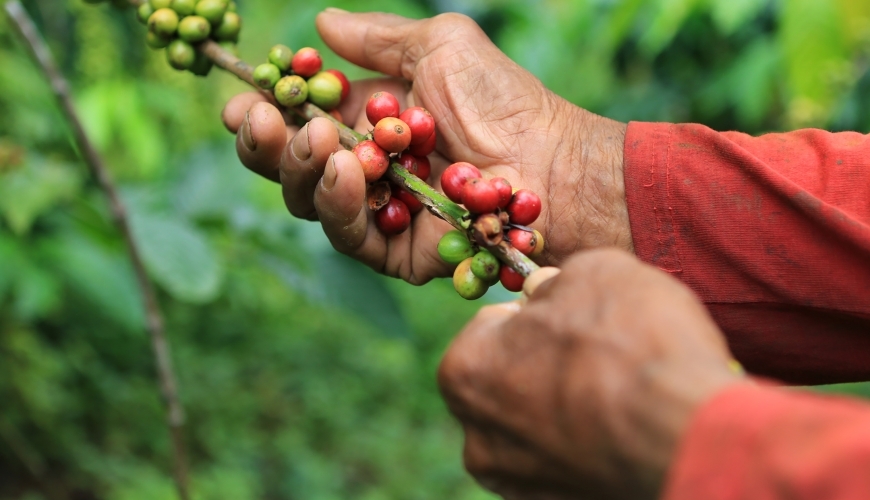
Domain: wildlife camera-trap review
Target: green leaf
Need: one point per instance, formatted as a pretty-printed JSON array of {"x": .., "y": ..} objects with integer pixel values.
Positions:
[{"x": 31, "y": 190}]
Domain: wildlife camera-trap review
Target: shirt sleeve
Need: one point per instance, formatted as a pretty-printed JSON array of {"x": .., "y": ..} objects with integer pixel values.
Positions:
[
  {"x": 771, "y": 232},
  {"x": 764, "y": 443}
]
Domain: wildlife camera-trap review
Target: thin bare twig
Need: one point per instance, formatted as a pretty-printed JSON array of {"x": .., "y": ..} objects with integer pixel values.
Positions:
[{"x": 154, "y": 320}]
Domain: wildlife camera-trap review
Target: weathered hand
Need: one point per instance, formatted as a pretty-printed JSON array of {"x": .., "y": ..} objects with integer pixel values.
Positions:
[
  {"x": 488, "y": 110},
  {"x": 584, "y": 391}
]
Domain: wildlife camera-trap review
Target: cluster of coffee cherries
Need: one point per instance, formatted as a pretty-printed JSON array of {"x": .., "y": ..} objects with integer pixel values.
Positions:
[
  {"x": 179, "y": 25},
  {"x": 406, "y": 137},
  {"x": 297, "y": 77},
  {"x": 500, "y": 214}
]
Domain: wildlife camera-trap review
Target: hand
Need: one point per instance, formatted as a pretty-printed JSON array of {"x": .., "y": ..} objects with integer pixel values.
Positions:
[
  {"x": 584, "y": 391},
  {"x": 488, "y": 111}
]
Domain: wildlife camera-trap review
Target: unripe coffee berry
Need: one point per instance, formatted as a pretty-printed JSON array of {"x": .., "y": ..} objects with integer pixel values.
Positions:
[
  {"x": 424, "y": 168},
  {"x": 373, "y": 158},
  {"x": 510, "y": 279},
  {"x": 163, "y": 22},
  {"x": 466, "y": 284},
  {"x": 394, "y": 218},
  {"x": 479, "y": 196},
  {"x": 230, "y": 47},
  {"x": 424, "y": 148},
  {"x": 213, "y": 10},
  {"x": 421, "y": 122},
  {"x": 524, "y": 208},
  {"x": 194, "y": 29},
  {"x": 485, "y": 266},
  {"x": 291, "y": 91},
  {"x": 381, "y": 105},
  {"x": 156, "y": 41},
  {"x": 180, "y": 54},
  {"x": 201, "y": 65},
  {"x": 454, "y": 247},
  {"x": 183, "y": 7},
  {"x": 229, "y": 27},
  {"x": 306, "y": 62},
  {"x": 345, "y": 83},
  {"x": 281, "y": 56},
  {"x": 539, "y": 246},
  {"x": 232, "y": 7},
  {"x": 414, "y": 205},
  {"x": 144, "y": 12},
  {"x": 392, "y": 134},
  {"x": 454, "y": 177},
  {"x": 524, "y": 241},
  {"x": 324, "y": 90},
  {"x": 505, "y": 191},
  {"x": 160, "y": 4},
  {"x": 266, "y": 75}
]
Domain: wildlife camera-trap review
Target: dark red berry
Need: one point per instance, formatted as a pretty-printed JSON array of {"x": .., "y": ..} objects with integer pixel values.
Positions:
[
  {"x": 479, "y": 196},
  {"x": 505, "y": 191},
  {"x": 306, "y": 62},
  {"x": 524, "y": 241},
  {"x": 345, "y": 83},
  {"x": 524, "y": 208},
  {"x": 510, "y": 279},
  {"x": 413, "y": 204},
  {"x": 373, "y": 158},
  {"x": 394, "y": 218},
  {"x": 424, "y": 168},
  {"x": 409, "y": 163},
  {"x": 381, "y": 105},
  {"x": 454, "y": 177},
  {"x": 424, "y": 148},
  {"x": 392, "y": 134},
  {"x": 421, "y": 122}
]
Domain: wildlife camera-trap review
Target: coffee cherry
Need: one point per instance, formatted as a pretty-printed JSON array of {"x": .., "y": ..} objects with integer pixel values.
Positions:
[
  {"x": 336, "y": 114},
  {"x": 392, "y": 134},
  {"x": 394, "y": 218},
  {"x": 266, "y": 75},
  {"x": 324, "y": 90},
  {"x": 487, "y": 230},
  {"x": 229, "y": 27},
  {"x": 485, "y": 266},
  {"x": 291, "y": 91},
  {"x": 180, "y": 54},
  {"x": 524, "y": 241},
  {"x": 505, "y": 192},
  {"x": 424, "y": 168},
  {"x": 213, "y": 10},
  {"x": 424, "y": 148},
  {"x": 454, "y": 247},
  {"x": 454, "y": 177},
  {"x": 414, "y": 205},
  {"x": 421, "y": 122},
  {"x": 232, "y": 7},
  {"x": 183, "y": 7},
  {"x": 465, "y": 283},
  {"x": 306, "y": 62},
  {"x": 345, "y": 83},
  {"x": 373, "y": 158},
  {"x": 163, "y": 22},
  {"x": 144, "y": 12},
  {"x": 230, "y": 47},
  {"x": 382, "y": 105},
  {"x": 510, "y": 279},
  {"x": 479, "y": 196},
  {"x": 201, "y": 65},
  {"x": 156, "y": 41},
  {"x": 194, "y": 29},
  {"x": 539, "y": 247},
  {"x": 160, "y": 4},
  {"x": 281, "y": 56},
  {"x": 524, "y": 208},
  {"x": 409, "y": 163}
]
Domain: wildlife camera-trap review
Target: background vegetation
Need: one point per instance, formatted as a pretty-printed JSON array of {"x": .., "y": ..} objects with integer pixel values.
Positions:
[{"x": 305, "y": 376}]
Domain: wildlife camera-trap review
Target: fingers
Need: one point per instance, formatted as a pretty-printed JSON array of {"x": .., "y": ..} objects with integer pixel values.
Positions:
[
  {"x": 303, "y": 163},
  {"x": 537, "y": 278},
  {"x": 235, "y": 110},
  {"x": 261, "y": 138},
  {"x": 339, "y": 200}
]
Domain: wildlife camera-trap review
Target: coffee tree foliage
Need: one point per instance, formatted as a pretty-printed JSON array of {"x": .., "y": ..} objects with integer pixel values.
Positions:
[{"x": 304, "y": 374}]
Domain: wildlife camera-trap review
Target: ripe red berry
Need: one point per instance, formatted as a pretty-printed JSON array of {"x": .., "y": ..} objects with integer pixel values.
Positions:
[
  {"x": 424, "y": 148},
  {"x": 421, "y": 122},
  {"x": 409, "y": 163},
  {"x": 345, "y": 83},
  {"x": 394, "y": 218},
  {"x": 392, "y": 134},
  {"x": 479, "y": 196},
  {"x": 373, "y": 158},
  {"x": 306, "y": 62},
  {"x": 454, "y": 177},
  {"x": 414, "y": 205},
  {"x": 510, "y": 279},
  {"x": 524, "y": 241},
  {"x": 524, "y": 208},
  {"x": 424, "y": 168},
  {"x": 504, "y": 191},
  {"x": 381, "y": 105}
]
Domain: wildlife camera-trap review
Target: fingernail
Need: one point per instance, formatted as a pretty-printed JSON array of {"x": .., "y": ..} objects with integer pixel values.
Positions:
[
  {"x": 330, "y": 174},
  {"x": 246, "y": 134},
  {"x": 335, "y": 10},
  {"x": 301, "y": 144}
]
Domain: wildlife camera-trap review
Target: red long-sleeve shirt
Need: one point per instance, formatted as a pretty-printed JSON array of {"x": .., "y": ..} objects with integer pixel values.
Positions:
[{"x": 773, "y": 234}]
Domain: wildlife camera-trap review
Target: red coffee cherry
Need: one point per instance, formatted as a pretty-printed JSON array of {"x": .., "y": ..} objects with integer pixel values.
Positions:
[
  {"x": 345, "y": 83},
  {"x": 454, "y": 177},
  {"x": 510, "y": 279},
  {"x": 413, "y": 204},
  {"x": 306, "y": 62},
  {"x": 479, "y": 196},
  {"x": 373, "y": 158},
  {"x": 409, "y": 163},
  {"x": 524, "y": 208},
  {"x": 524, "y": 241},
  {"x": 505, "y": 191},
  {"x": 381, "y": 105},
  {"x": 394, "y": 218},
  {"x": 421, "y": 122},
  {"x": 424, "y": 148},
  {"x": 424, "y": 168},
  {"x": 392, "y": 134}
]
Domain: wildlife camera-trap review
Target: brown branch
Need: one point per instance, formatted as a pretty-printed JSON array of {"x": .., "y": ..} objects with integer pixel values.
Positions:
[{"x": 154, "y": 320}]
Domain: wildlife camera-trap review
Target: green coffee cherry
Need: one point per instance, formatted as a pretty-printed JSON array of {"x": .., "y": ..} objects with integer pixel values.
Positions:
[
  {"x": 229, "y": 27},
  {"x": 194, "y": 29},
  {"x": 183, "y": 7},
  {"x": 266, "y": 75},
  {"x": 180, "y": 54},
  {"x": 231, "y": 7},
  {"x": 230, "y": 47},
  {"x": 160, "y": 4},
  {"x": 291, "y": 90},
  {"x": 324, "y": 90},
  {"x": 465, "y": 283},
  {"x": 485, "y": 266},
  {"x": 281, "y": 56},
  {"x": 156, "y": 41},
  {"x": 201, "y": 65},
  {"x": 164, "y": 22},
  {"x": 213, "y": 10},
  {"x": 454, "y": 247},
  {"x": 144, "y": 12}
]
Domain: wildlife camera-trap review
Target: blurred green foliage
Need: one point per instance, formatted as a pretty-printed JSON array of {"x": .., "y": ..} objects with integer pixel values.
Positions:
[{"x": 304, "y": 374}]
